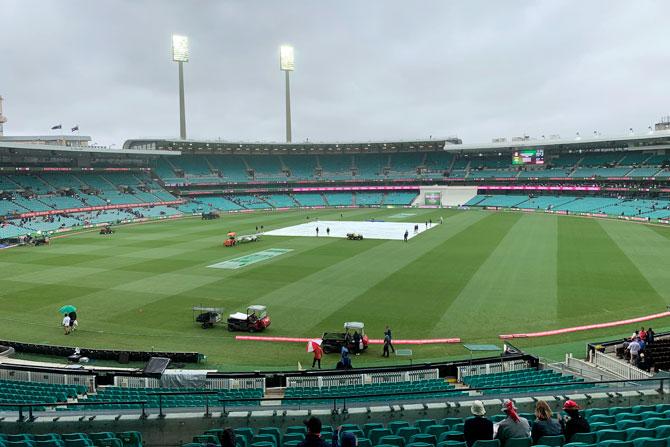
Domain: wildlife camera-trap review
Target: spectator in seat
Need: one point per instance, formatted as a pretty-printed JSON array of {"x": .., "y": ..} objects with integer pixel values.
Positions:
[
  {"x": 313, "y": 437},
  {"x": 575, "y": 423},
  {"x": 343, "y": 439},
  {"x": 477, "y": 428},
  {"x": 228, "y": 438},
  {"x": 513, "y": 426},
  {"x": 544, "y": 425}
]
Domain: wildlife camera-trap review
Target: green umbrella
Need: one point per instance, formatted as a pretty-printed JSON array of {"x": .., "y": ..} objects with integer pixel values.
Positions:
[{"x": 67, "y": 309}]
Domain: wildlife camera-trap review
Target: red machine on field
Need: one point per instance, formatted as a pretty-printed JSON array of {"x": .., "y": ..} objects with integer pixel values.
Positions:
[{"x": 255, "y": 320}]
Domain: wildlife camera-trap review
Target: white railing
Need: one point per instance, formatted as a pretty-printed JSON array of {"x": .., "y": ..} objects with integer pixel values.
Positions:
[
  {"x": 213, "y": 383},
  {"x": 362, "y": 379},
  {"x": 618, "y": 367},
  {"x": 51, "y": 378},
  {"x": 491, "y": 368}
]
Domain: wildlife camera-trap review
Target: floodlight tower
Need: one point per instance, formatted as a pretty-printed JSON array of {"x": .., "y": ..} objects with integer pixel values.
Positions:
[
  {"x": 180, "y": 55},
  {"x": 3, "y": 119},
  {"x": 287, "y": 65}
]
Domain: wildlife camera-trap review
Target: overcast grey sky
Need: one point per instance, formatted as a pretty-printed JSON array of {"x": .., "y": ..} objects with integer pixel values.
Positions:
[{"x": 365, "y": 70}]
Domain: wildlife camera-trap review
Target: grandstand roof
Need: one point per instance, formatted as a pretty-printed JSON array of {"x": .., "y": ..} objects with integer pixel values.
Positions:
[
  {"x": 246, "y": 147},
  {"x": 652, "y": 140},
  {"x": 69, "y": 150},
  {"x": 655, "y": 140}
]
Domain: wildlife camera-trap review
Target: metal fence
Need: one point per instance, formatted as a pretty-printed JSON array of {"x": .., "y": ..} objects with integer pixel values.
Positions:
[
  {"x": 618, "y": 367},
  {"x": 491, "y": 368},
  {"x": 362, "y": 379}
]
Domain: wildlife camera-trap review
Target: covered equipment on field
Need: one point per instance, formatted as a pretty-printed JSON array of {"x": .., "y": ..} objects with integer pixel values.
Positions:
[
  {"x": 207, "y": 317},
  {"x": 255, "y": 320},
  {"x": 107, "y": 229},
  {"x": 335, "y": 341},
  {"x": 354, "y": 236},
  {"x": 231, "y": 241}
]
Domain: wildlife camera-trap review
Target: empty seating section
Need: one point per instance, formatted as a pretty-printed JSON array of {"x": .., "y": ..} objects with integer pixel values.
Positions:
[
  {"x": 588, "y": 172},
  {"x": 191, "y": 165},
  {"x": 336, "y": 167},
  {"x": 493, "y": 173},
  {"x": 15, "y": 391},
  {"x": 545, "y": 173},
  {"x": 643, "y": 172},
  {"x": 62, "y": 191},
  {"x": 310, "y": 199},
  {"x": 399, "y": 198},
  {"x": 565, "y": 160},
  {"x": 250, "y": 202},
  {"x": 110, "y": 398},
  {"x": 601, "y": 159},
  {"x": 267, "y": 167},
  {"x": 339, "y": 199},
  {"x": 280, "y": 200},
  {"x": 405, "y": 164},
  {"x": 101, "y": 439},
  {"x": 301, "y": 167},
  {"x": 545, "y": 202},
  {"x": 370, "y": 165},
  {"x": 230, "y": 167},
  {"x": 429, "y": 389},
  {"x": 508, "y": 382},
  {"x": 368, "y": 198},
  {"x": 503, "y": 200},
  {"x": 440, "y": 161},
  {"x": 654, "y": 209},
  {"x": 220, "y": 203}
]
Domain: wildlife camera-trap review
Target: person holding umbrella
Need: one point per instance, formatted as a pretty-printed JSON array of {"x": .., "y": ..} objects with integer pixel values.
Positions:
[
  {"x": 69, "y": 313},
  {"x": 315, "y": 347}
]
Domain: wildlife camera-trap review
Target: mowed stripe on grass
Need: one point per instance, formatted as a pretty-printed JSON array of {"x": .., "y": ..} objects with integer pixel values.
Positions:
[
  {"x": 596, "y": 280},
  {"x": 515, "y": 287}
]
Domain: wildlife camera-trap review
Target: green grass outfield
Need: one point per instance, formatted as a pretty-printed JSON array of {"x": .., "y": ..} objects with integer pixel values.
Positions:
[{"x": 478, "y": 275}]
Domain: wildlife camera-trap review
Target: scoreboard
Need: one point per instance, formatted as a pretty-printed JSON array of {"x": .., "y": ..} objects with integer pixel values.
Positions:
[{"x": 528, "y": 157}]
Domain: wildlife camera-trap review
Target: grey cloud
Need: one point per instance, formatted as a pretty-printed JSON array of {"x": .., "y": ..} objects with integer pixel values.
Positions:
[{"x": 379, "y": 69}]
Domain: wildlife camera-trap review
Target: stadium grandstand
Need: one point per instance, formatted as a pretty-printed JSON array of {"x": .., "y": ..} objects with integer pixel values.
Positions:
[{"x": 61, "y": 186}]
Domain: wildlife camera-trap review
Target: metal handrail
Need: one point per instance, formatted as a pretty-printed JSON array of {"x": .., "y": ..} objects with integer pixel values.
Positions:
[{"x": 30, "y": 406}]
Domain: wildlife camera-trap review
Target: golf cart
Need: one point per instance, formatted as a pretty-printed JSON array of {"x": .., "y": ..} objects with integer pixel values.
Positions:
[
  {"x": 354, "y": 236},
  {"x": 207, "y": 317},
  {"x": 107, "y": 229},
  {"x": 334, "y": 341},
  {"x": 255, "y": 320}
]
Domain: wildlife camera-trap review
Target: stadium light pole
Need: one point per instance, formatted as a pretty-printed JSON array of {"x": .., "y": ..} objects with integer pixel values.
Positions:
[
  {"x": 287, "y": 65},
  {"x": 180, "y": 55}
]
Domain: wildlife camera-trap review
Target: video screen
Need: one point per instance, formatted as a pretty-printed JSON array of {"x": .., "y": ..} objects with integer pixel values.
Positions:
[{"x": 528, "y": 157}]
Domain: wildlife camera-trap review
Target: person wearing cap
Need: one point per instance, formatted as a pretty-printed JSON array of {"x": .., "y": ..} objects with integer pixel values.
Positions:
[
  {"x": 513, "y": 426},
  {"x": 344, "y": 439},
  {"x": 575, "y": 422},
  {"x": 313, "y": 437},
  {"x": 477, "y": 428},
  {"x": 544, "y": 425}
]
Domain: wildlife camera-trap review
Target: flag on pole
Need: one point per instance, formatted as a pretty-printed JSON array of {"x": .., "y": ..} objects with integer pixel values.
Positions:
[
  {"x": 57, "y": 126},
  {"x": 75, "y": 128}
]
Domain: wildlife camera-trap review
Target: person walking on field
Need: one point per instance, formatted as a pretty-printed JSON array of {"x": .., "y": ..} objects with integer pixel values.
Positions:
[
  {"x": 318, "y": 353},
  {"x": 406, "y": 235},
  {"x": 327, "y": 231},
  {"x": 317, "y": 231},
  {"x": 387, "y": 333},
  {"x": 66, "y": 324},
  {"x": 387, "y": 343}
]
